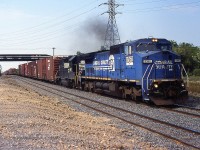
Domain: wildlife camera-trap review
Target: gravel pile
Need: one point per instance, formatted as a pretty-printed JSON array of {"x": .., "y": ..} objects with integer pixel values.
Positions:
[{"x": 145, "y": 136}]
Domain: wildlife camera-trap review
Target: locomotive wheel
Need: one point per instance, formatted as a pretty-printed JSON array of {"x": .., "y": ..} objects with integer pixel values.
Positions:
[
  {"x": 85, "y": 88},
  {"x": 92, "y": 90},
  {"x": 82, "y": 87},
  {"x": 133, "y": 96},
  {"x": 123, "y": 94},
  {"x": 73, "y": 85},
  {"x": 182, "y": 98}
]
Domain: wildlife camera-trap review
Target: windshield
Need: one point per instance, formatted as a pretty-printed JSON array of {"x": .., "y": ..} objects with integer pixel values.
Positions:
[
  {"x": 163, "y": 47},
  {"x": 153, "y": 47}
]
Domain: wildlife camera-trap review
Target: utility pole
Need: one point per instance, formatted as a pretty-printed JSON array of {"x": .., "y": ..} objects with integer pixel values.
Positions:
[
  {"x": 53, "y": 50},
  {"x": 0, "y": 70},
  {"x": 112, "y": 35}
]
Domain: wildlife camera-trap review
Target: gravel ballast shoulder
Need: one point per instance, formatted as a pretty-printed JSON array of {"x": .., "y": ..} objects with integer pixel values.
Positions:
[
  {"x": 32, "y": 120},
  {"x": 143, "y": 135}
]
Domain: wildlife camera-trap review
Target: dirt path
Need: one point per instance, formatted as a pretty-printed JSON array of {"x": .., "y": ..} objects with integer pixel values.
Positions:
[{"x": 32, "y": 121}]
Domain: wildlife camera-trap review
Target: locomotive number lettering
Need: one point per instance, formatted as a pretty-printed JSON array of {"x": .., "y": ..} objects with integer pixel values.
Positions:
[{"x": 169, "y": 67}]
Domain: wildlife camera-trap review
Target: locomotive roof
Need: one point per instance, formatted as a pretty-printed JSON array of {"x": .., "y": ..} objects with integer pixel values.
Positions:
[
  {"x": 146, "y": 40},
  {"x": 150, "y": 39}
]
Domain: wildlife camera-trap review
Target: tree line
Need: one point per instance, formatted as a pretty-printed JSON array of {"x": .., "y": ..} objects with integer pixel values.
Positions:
[{"x": 190, "y": 56}]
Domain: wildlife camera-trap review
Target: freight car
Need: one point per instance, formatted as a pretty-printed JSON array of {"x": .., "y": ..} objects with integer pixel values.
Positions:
[
  {"x": 45, "y": 69},
  {"x": 11, "y": 71},
  {"x": 144, "y": 69},
  {"x": 21, "y": 69}
]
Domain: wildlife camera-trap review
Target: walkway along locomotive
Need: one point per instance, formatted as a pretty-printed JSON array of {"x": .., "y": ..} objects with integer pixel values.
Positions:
[{"x": 144, "y": 69}]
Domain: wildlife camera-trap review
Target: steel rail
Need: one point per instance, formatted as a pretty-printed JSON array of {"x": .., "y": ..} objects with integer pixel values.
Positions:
[
  {"x": 187, "y": 107},
  {"x": 183, "y": 112}
]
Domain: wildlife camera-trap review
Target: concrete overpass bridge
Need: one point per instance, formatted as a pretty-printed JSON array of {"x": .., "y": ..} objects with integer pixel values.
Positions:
[{"x": 22, "y": 57}]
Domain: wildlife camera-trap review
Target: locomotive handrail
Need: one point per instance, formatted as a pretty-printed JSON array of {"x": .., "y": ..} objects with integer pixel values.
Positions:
[
  {"x": 143, "y": 77},
  {"x": 148, "y": 76},
  {"x": 150, "y": 71},
  {"x": 187, "y": 78}
]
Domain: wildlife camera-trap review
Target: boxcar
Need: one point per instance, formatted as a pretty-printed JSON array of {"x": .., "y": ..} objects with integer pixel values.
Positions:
[
  {"x": 52, "y": 67},
  {"x": 32, "y": 69}
]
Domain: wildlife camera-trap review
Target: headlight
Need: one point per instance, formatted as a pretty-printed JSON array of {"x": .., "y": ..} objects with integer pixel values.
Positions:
[
  {"x": 154, "y": 40},
  {"x": 155, "y": 85},
  {"x": 182, "y": 84},
  {"x": 147, "y": 61}
]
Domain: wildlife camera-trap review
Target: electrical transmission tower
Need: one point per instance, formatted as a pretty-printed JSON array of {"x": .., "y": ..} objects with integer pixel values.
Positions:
[{"x": 112, "y": 35}]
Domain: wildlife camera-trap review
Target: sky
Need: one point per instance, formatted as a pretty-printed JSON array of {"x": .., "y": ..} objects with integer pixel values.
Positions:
[{"x": 36, "y": 26}]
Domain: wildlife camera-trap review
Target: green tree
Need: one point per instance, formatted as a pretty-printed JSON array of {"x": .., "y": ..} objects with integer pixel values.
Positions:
[
  {"x": 197, "y": 57},
  {"x": 190, "y": 55},
  {"x": 78, "y": 53}
]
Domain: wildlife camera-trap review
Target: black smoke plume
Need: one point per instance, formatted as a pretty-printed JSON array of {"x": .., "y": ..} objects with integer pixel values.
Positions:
[
  {"x": 97, "y": 28},
  {"x": 90, "y": 37}
]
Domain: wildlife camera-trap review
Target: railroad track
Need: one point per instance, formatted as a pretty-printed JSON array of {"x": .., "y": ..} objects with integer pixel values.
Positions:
[
  {"x": 187, "y": 107},
  {"x": 195, "y": 110},
  {"x": 183, "y": 112},
  {"x": 192, "y": 133}
]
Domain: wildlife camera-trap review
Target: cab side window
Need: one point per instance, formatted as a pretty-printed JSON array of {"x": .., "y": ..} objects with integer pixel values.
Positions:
[{"x": 128, "y": 50}]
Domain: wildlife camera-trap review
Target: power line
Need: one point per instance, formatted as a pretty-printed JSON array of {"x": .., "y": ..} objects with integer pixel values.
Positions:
[
  {"x": 25, "y": 30},
  {"x": 161, "y": 7},
  {"x": 155, "y": 1},
  {"x": 51, "y": 36},
  {"x": 68, "y": 27},
  {"x": 44, "y": 36}
]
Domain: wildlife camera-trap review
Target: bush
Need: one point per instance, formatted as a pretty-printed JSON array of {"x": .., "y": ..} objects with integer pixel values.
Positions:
[{"x": 196, "y": 72}]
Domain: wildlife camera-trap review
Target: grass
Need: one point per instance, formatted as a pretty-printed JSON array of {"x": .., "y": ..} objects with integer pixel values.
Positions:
[
  {"x": 194, "y": 84},
  {"x": 194, "y": 78}
]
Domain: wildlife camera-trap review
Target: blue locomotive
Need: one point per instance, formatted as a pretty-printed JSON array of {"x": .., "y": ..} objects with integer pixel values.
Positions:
[{"x": 144, "y": 69}]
